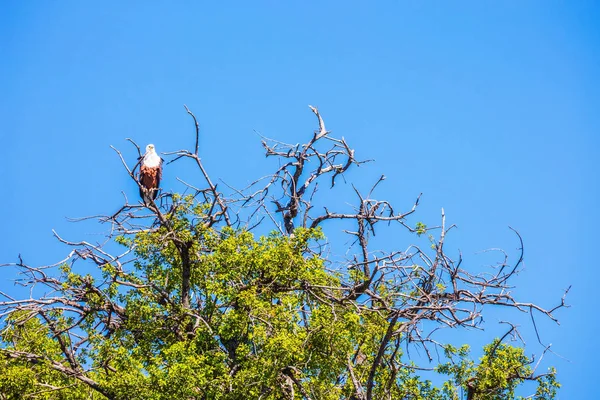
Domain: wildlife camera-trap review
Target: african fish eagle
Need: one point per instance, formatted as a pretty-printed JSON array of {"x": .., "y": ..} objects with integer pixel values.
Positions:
[{"x": 150, "y": 174}]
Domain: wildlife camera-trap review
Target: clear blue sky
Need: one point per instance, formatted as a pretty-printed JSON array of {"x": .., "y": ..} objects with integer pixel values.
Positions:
[{"x": 488, "y": 108}]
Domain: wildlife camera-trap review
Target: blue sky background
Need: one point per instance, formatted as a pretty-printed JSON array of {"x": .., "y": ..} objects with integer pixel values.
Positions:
[{"x": 488, "y": 108}]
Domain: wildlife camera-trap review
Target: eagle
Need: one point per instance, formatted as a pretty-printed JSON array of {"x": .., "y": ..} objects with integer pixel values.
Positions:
[{"x": 150, "y": 174}]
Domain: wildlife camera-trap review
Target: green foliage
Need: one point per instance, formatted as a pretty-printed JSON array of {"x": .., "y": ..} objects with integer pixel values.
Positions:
[
  {"x": 35, "y": 378},
  {"x": 420, "y": 228},
  {"x": 501, "y": 369},
  {"x": 263, "y": 322}
]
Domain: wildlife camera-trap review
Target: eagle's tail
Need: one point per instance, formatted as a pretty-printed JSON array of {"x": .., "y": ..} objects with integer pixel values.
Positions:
[{"x": 147, "y": 194}]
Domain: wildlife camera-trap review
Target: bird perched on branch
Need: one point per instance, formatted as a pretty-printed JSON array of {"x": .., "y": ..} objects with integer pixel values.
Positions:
[{"x": 150, "y": 174}]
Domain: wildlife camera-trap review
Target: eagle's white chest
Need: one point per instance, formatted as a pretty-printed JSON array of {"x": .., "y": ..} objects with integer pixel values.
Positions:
[{"x": 151, "y": 160}]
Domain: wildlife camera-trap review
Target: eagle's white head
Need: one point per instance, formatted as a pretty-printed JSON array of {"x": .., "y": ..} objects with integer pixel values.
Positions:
[{"x": 151, "y": 159}]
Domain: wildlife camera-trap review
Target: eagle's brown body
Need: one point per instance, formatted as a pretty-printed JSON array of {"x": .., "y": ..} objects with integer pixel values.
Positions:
[{"x": 150, "y": 174}]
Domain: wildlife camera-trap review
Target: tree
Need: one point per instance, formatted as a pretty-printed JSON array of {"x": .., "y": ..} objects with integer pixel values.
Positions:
[{"x": 198, "y": 305}]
